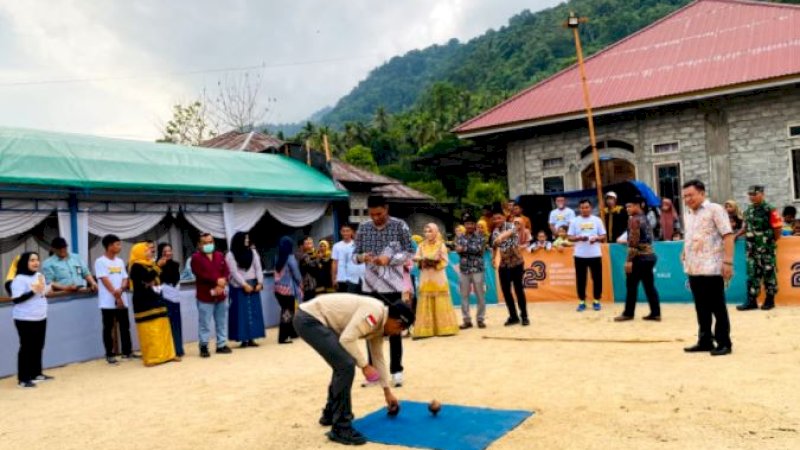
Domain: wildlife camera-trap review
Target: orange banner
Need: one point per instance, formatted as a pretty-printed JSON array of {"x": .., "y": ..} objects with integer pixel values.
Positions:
[
  {"x": 788, "y": 260},
  {"x": 550, "y": 276}
]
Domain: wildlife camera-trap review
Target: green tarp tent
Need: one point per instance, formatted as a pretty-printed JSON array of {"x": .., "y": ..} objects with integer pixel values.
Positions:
[{"x": 90, "y": 164}]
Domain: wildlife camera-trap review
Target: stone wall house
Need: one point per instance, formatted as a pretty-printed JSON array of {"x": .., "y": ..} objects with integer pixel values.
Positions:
[{"x": 710, "y": 92}]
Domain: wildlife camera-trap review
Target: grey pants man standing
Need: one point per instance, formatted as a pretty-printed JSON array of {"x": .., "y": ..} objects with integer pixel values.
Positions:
[{"x": 476, "y": 282}]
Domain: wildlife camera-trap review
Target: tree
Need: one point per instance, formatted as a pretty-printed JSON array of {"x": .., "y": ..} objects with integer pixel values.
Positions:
[
  {"x": 481, "y": 192},
  {"x": 361, "y": 156},
  {"x": 239, "y": 103},
  {"x": 188, "y": 126},
  {"x": 434, "y": 188}
]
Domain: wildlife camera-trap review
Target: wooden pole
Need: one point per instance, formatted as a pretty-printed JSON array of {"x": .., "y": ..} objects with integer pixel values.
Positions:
[
  {"x": 327, "y": 148},
  {"x": 308, "y": 153},
  {"x": 590, "y": 118}
]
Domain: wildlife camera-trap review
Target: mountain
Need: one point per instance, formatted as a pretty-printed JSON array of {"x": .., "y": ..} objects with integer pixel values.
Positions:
[{"x": 500, "y": 62}]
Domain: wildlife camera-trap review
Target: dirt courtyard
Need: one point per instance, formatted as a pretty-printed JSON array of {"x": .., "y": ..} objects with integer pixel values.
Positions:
[{"x": 585, "y": 395}]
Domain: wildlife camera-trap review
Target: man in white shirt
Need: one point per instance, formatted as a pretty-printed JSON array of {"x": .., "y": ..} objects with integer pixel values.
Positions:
[
  {"x": 561, "y": 215},
  {"x": 113, "y": 282},
  {"x": 346, "y": 273},
  {"x": 708, "y": 262},
  {"x": 588, "y": 233},
  {"x": 332, "y": 324}
]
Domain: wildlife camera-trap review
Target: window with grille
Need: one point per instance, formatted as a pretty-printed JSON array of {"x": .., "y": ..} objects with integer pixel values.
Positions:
[
  {"x": 665, "y": 147},
  {"x": 553, "y": 184},
  {"x": 552, "y": 163}
]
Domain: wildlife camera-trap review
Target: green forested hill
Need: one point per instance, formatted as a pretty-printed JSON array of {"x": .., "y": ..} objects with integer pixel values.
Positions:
[{"x": 531, "y": 47}]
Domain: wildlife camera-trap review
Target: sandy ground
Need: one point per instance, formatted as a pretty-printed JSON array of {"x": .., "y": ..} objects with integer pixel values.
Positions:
[{"x": 585, "y": 395}]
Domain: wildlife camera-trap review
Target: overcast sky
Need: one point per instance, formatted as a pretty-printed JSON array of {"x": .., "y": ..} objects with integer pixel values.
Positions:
[{"x": 115, "y": 68}]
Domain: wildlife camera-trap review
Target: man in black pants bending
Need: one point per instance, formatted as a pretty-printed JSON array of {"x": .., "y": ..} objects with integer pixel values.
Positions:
[{"x": 383, "y": 244}]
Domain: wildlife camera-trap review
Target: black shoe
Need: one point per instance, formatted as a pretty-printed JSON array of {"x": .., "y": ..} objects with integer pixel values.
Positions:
[
  {"x": 287, "y": 341},
  {"x": 721, "y": 351},
  {"x": 130, "y": 357},
  {"x": 111, "y": 360},
  {"x": 244, "y": 344},
  {"x": 525, "y": 322},
  {"x": 622, "y": 318},
  {"x": 224, "y": 350},
  {"x": 511, "y": 321},
  {"x": 767, "y": 306},
  {"x": 699, "y": 348},
  {"x": 346, "y": 436},
  {"x": 325, "y": 420},
  {"x": 42, "y": 377},
  {"x": 481, "y": 325},
  {"x": 252, "y": 343},
  {"x": 747, "y": 306},
  {"x": 465, "y": 325},
  {"x": 26, "y": 384},
  {"x": 204, "y": 351},
  {"x": 652, "y": 317}
]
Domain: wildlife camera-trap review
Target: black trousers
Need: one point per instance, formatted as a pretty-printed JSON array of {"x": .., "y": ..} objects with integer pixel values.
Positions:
[
  {"x": 395, "y": 342},
  {"x": 31, "y": 344},
  {"x": 595, "y": 266},
  {"x": 513, "y": 276},
  {"x": 351, "y": 288},
  {"x": 322, "y": 339},
  {"x": 285, "y": 328},
  {"x": 709, "y": 302},
  {"x": 121, "y": 315},
  {"x": 642, "y": 271}
]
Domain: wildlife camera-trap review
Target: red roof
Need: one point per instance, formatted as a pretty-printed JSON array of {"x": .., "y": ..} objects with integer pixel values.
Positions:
[
  {"x": 707, "y": 46},
  {"x": 250, "y": 142}
]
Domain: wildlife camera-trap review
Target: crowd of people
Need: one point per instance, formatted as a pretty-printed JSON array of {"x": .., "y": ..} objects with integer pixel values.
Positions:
[{"x": 405, "y": 277}]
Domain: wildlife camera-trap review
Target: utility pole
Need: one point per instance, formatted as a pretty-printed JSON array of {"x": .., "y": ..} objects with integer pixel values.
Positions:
[{"x": 573, "y": 23}]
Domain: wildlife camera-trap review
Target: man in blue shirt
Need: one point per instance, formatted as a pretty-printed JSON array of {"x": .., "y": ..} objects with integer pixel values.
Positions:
[{"x": 65, "y": 270}]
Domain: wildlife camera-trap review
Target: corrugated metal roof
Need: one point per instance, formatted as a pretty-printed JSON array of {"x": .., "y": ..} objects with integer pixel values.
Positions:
[
  {"x": 247, "y": 141},
  {"x": 705, "y": 46},
  {"x": 348, "y": 173},
  {"x": 399, "y": 191}
]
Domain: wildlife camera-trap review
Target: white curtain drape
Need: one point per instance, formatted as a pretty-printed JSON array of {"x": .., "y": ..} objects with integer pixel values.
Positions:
[
  {"x": 296, "y": 214},
  {"x": 125, "y": 220},
  {"x": 30, "y": 214},
  {"x": 207, "y": 221},
  {"x": 242, "y": 216},
  {"x": 65, "y": 231}
]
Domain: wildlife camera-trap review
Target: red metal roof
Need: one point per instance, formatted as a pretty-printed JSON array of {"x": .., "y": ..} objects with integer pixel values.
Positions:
[
  {"x": 247, "y": 141},
  {"x": 706, "y": 46}
]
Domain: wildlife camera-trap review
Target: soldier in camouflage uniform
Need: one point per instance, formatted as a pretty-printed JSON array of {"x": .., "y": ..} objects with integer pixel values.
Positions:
[{"x": 762, "y": 228}]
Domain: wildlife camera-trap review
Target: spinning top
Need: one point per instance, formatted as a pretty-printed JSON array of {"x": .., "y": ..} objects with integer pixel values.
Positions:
[
  {"x": 434, "y": 407},
  {"x": 393, "y": 410}
]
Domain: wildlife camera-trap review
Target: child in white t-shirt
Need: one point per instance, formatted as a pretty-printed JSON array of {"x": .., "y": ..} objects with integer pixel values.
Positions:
[{"x": 541, "y": 243}]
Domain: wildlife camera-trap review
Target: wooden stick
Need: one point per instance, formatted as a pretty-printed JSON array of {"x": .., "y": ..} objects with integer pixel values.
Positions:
[
  {"x": 598, "y": 341},
  {"x": 308, "y": 153},
  {"x": 327, "y": 149}
]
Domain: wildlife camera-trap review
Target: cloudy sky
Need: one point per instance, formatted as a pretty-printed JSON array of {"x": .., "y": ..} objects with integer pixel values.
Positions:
[{"x": 114, "y": 68}]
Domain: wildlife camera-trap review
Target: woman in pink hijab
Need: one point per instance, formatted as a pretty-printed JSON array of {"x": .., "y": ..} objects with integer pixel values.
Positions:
[{"x": 670, "y": 221}]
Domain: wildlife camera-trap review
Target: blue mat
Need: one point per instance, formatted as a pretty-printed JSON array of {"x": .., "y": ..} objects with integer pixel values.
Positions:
[{"x": 455, "y": 427}]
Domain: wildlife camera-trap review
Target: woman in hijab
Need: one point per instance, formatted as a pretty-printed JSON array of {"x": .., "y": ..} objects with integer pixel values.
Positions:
[
  {"x": 28, "y": 292},
  {"x": 324, "y": 276},
  {"x": 310, "y": 266},
  {"x": 245, "y": 317},
  {"x": 735, "y": 217},
  {"x": 670, "y": 222},
  {"x": 149, "y": 308},
  {"x": 288, "y": 288},
  {"x": 435, "y": 313},
  {"x": 170, "y": 290}
]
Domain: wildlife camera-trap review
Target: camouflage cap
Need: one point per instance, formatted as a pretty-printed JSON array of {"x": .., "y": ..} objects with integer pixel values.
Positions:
[{"x": 756, "y": 188}]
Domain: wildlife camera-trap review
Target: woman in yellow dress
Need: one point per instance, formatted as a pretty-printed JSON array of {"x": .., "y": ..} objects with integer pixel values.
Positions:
[
  {"x": 149, "y": 309},
  {"x": 435, "y": 313}
]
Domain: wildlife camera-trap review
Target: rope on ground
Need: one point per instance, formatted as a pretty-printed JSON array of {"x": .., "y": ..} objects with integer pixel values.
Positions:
[{"x": 599, "y": 341}]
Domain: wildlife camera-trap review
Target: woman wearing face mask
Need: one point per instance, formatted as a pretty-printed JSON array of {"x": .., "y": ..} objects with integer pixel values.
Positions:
[
  {"x": 435, "y": 313},
  {"x": 28, "y": 292},
  {"x": 149, "y": 308},
  {"x": 170, "y": 290},
  {"x": 245, "y": 316}
]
